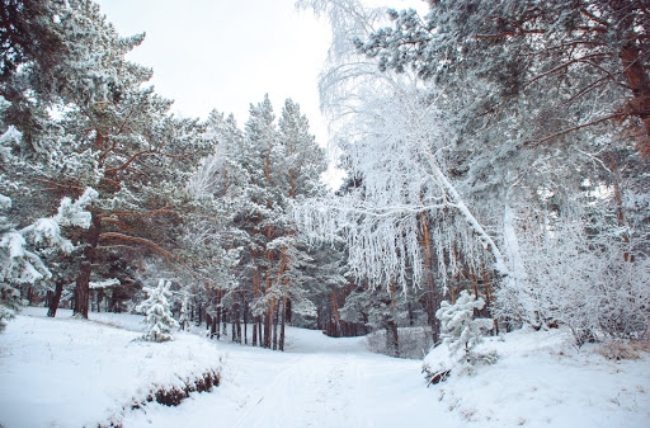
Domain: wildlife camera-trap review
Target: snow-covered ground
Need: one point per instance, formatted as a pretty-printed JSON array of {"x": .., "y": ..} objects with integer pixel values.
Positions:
[{"x": 64, "y": 372}]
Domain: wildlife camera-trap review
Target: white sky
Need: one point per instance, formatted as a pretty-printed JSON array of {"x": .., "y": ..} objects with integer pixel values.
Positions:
[{"x": 226, "y": 54}]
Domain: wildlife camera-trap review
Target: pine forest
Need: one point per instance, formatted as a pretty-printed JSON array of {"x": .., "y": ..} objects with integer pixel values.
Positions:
[{"x": 484, "y": 261}]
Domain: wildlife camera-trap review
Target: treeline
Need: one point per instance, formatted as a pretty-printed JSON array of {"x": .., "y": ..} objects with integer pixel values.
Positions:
[{"x": 502, "y": 156}]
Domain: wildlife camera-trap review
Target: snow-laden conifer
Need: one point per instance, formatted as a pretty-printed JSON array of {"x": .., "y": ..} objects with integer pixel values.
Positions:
[
  {"x": 22, "y": 250},
  {"x": 460, "y": 330},
  {"x": 158, "y": 315}
]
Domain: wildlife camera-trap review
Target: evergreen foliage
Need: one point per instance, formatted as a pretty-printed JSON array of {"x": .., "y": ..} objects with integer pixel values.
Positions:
[
  {"x": 158, "y": 316},
  {"x": 465, "y": 136},
  {"x": 547, "y": 61},
  {"x": 22, "y": 251},
  {"x": 460, "y": 330},
  {"x": 89, "y": 120}
]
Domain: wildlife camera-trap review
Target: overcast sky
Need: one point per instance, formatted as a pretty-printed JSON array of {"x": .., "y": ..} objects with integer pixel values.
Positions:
[{"x": 226, "y": 54}]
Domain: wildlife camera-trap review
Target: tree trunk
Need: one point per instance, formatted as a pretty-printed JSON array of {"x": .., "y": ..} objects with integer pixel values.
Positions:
[
  {"x": 100, "y": 298},
  {"x": 432, "y": 297},
  {"x": 214, "y": 327},
  {"x": 245, "y": 316},
  {"x": 276, "y": 315},
  {"x": 255, "y": 331},
  {"x": 218, "y": 315},
  {"x": 82, "y": 289},
  {"x": 224, "y": 321},
  {"x": 287, "y": 312},
  {"x": 337, "y": 318},
  {"x": 56, "y": 299},
  {"x": 638, "y": 81},
  {"x": 283, "y": 322},
  {"x": 392, "y": 340}
]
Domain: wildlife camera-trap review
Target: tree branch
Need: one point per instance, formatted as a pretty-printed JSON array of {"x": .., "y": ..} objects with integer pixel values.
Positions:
[
  {"x": 567, "y": 64},
  {"x": 594, "y": 18},
  {"x": 131, "y": 160},
  {"x": 141, "y": 241},
  {"x": 535, "y": 143}
]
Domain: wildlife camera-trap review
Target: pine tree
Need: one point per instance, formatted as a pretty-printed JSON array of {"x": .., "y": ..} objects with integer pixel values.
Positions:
[
  {"x": 22, "y": 250},
  {"x": 92, "y": 121},
  {"x": 460, "y": 331},
  {"x": 158, "y": 316},
  {"x": 551, "y": 59},
  {"x": 257, "y": 174}
]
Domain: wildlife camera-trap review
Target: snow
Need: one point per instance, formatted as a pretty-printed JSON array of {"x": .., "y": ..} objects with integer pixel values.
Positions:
[
  {"x": 542, "y": 380},
  {"x": 78, "y": 372},
  {"x": 107, "y": 283},
  {"x": 66, "y": 372}
]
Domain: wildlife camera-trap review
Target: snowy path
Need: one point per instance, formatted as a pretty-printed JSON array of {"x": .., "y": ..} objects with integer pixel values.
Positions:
[
  {"x": 318, "y": 382},
  {"x": 336, "y": 383},
  {"x": 540, "y": 380}
]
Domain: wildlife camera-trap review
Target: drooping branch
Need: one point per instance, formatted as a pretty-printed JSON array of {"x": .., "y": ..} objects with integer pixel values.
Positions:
[
  {"x": 500, "y": 264},
  {"x": 141, "y": 241},
  {"x": 390, "y": 211}
]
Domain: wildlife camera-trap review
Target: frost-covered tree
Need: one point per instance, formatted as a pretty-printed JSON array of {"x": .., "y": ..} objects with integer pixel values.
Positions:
[
  {"x": 257, "y": 173},
  {"x": 460, "y": 330},
  {"x": 22, "y": 250},
  {"x": 28, "y": 32},
  {"x": 158, "y": 316},
  {"x": 547, "y": 62},
  {"x": 403, "y": 219},
  {"x": 596, "y": 285},
  {"x": 469, "y": 158},
  {"x": 101, "y": 126}
]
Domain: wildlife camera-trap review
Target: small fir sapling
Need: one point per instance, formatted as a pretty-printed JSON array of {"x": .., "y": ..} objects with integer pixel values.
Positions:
[
  {"x": 158, "y": 315},
  {"x": 459, "y": 329}
]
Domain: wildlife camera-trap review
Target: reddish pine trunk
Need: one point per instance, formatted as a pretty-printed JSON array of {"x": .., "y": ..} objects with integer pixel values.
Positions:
[
  {"x": 638, "y": 81},
  {"x": 56, "y": 299},
  {"x": 82, "y": 290}
]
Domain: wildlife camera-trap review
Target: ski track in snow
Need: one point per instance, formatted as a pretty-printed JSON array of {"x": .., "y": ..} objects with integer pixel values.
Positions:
[
  {"x": 318, "y": 382},
  {"x": 337, "y": 383},
  {"x": 309, "y": 383}
]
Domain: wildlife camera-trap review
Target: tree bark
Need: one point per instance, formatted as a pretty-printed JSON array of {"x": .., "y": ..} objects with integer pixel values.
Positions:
[
  {"x": 275, "y": 326},
  {"x": 56, "y": 299},
  {"x": 432, "y": 297},
  {"x": 82, "y": 289},
  {"x": 284, "y": 320},
  {"x": 637, "y": 79},
  {"x": 245, "y": 317}
]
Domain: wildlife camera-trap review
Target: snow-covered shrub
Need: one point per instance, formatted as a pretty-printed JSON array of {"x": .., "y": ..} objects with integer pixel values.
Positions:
[
  {"x": 459, "y": 329},
  {"x": 597, "y": 287},
  {"x": 413, "y": 342},
  {"x": 158, "y": 315}
]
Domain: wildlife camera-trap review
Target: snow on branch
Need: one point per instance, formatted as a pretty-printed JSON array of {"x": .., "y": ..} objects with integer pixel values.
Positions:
[{"x": 20, "y": 261}]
